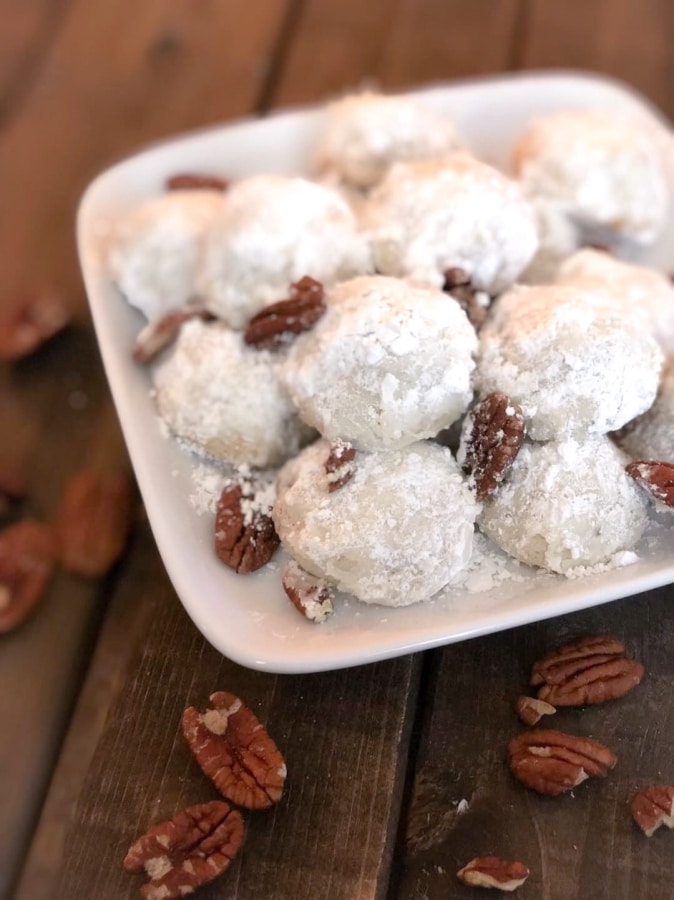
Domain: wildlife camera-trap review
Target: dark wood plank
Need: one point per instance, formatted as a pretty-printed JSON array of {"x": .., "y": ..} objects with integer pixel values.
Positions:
[
  {"x": 630, "y": 41},
  {"x": 341, "y": 46},
  {"x": 99, "y": 88},
  {"x": 581, "y": 845},
  {"x": 344, "y": 736}
]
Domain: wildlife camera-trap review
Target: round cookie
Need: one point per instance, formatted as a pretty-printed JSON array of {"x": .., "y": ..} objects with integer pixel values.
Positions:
[
  {"x": 272, "y": 231},
  {"x": 602, "y": 168},
  {"x": 365, "y": 133},
  {"x": 430, "y": 216},
  {"x": 638, "y": 289},
  {"x": 565, "y": 505},
  {"x": 388, "y": 364},
  {"x": 558, "y": 238},
  {"x": 570, "y": 358},
  {"x": 224, "y": 399},
  {"x": 396, "y": 533},
  {"x": 155, "y": 250},
  {"x": 651, "y": 436}
]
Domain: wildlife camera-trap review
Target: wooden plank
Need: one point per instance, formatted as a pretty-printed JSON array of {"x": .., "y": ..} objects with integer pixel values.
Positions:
[
  {"x": 28, "y": 28},
  {"x": 581, "y": 845},
  {"x": 102, "y": 88},
  {"x": 341, "y": 46},
  {"x": 344, "y": 736},
  {"x": 630, "y": 41}
]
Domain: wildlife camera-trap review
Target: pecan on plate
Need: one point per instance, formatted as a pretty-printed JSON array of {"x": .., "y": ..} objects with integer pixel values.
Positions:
[
  {"x": 653, "y": 807},
  {"x": 245, "y": 537},
  {"x": 157, "y": 335},
  {"x": 32, "y": 322},
  {"x": 188, "y": 851},
  {"x": 586, "y": 671},
  {"x": 474, "y": 303},
  {"x": 339, "y": 465},
  {"x": 276, "y": 325},
  {"x": 193, "y": 181},
  {"x": 530, "y": 710},
  {"x": 94, "y": 521},
  {"x": 656, "y": 477},
  {"x": 27, "y": 558},
  {"x": 552, "y": 762},
  {"x": 492, "y": 872},
  {"x": 235, "y": 752},
  {"x": 309, "y": 595},
  {"x": 495, "y": 439}
]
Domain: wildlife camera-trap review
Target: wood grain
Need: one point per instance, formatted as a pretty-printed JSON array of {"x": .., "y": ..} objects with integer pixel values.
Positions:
[
  {"x": 582, "y": 845},
  {"x": 344, "y": 736},
  {"x": 341, "y": 46},
  {"x": 627, "y": 40}
]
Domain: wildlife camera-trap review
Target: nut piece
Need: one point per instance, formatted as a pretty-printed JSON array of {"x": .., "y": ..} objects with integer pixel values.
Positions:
[
  {"x": 276, "y": 325},
  {"x": 189, "y": 850},
  {"x": 653, "y": 807},
  {"x": 31, "y": 323},
  {"x": 156, "y": 336},
  {"x": 234, "y": 750},
  {"x": 656, "y": 477},
  {"x": 27, "y": 558},
  {"x": 339, "y": 465},
  {"x": 94, "y": 521},
  {"x": 495, "y": 440},
  {"x": 309, "y": 595},
  {"x": 552, "y": 762},
  {"x": 530, "y": 710},
  {"x": 590, "y": 670},
  {"x": 190, "y": 181},
  {"x": 474, "y": 303},
  {"x": 492, "y": 872},
  {"x": 245, "y": 537}
]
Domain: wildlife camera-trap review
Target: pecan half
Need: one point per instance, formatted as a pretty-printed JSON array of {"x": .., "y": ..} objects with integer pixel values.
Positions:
[
  {"x": 32, "y": 322},
  {"x": 157, "y": 335},
  {"x": 492, "y": 872},
  {"x": 587, "y": 671},
  {"x": 530, "y": 710},
  {"x": 235, "y": 752},
  {"x": 309, "y": 595},
  {"x": 495, "y": 440},
  {"x": 474, "y": 303},
  {"x": 187, "y": 851},
  {"x": 653, "y": 807},
  {"x": 339, "y": 465},
  {"x": 656, "y": 477},
  {"x": 191, "y": 181},
  {"x": 552, "y": 762},
  {"x": 94, "y": 521},
  {"x": 27, "y": 558},
  {"x": 276, "y": 325},
  {"x": 245, "y": 537}
]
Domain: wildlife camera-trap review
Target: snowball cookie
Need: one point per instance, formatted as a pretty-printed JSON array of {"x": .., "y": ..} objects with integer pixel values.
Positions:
[
  {"x": 272, "y": 231},
  {"x": 396, "y": 533},
  {"x": 365, "y": 133},
  {"x": 388, "y": 364},
  {"x": 651, "y": 436},
  {"x": 637, "y": 288},
  {"x": 429, "y": 216},
  {"x": 558, "y": 238},
  {"x": 225, "y": 399},
  {"x": 603, "y": 168},
  {"x": 566, "y": 504},
  {"x": 155, "y": 250},
  {"x": 573, "y": 360}
]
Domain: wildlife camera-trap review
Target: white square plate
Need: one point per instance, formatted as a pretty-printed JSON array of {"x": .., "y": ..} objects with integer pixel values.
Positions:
[{"x": 248, "y": 618}]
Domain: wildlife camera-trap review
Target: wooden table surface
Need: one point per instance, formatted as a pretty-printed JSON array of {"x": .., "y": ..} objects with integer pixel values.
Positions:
[{"x": 94, "y": 684}]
